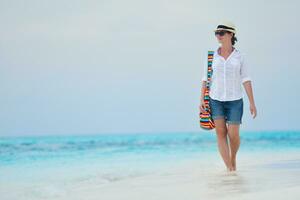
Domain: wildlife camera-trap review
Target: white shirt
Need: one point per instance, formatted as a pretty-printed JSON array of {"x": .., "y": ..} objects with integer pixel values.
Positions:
[{"x": 228, "y": 76}]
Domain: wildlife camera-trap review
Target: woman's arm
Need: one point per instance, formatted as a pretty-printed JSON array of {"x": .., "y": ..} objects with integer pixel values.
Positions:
[
  {"x": 248, "y": 88},
  {"x": 246, "y": 81},
  {"x": 202, "y": 104},
  {"x": 204, "y": 78},
  {"x": 202, "y": 90}
]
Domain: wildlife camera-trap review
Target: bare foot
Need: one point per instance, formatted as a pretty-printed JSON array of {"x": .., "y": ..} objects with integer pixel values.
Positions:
[{"x": 230, "y": 168}]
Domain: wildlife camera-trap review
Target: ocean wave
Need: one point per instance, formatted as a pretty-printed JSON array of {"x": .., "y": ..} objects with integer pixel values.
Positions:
[{"x": 49, "y": 147}]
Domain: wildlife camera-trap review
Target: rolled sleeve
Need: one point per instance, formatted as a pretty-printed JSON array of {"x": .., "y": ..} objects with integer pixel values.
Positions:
[{"x": 245, "y": 75}]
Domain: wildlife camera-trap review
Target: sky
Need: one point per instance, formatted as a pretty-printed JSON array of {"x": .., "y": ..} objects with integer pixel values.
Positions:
[{"x": 115, "y": 66}]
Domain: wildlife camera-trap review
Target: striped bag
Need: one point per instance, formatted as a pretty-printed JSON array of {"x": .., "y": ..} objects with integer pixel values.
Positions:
[{"x": 206, "y": 121}]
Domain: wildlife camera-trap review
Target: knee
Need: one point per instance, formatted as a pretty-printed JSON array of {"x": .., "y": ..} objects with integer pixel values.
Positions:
[
  {"x": 221, "y": 133},
  {"x": 234, "y": 137}
]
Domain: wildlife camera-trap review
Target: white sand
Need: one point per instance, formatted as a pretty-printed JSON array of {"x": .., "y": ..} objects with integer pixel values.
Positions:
[
  {"x": 268, "y": 176},
  {"x": 273, "y": 175}
]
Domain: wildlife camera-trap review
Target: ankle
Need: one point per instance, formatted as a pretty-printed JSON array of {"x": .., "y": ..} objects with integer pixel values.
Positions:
[{"x": 230, "y": 169}]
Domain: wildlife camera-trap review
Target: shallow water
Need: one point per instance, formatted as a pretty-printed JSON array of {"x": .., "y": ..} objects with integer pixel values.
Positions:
[{"x": 58, "y": 166}]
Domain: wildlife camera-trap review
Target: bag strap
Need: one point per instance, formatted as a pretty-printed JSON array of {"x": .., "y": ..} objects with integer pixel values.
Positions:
[{"x": 210, "y": 56}]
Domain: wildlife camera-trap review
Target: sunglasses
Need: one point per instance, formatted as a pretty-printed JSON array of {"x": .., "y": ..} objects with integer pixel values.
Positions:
[{"x": 221, "y": 33}]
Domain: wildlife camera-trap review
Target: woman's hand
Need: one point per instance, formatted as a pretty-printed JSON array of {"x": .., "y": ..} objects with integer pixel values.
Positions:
[
  {"x": 253, "y": 110},
  {"x": 202, "y": 106},
  {"x": 248, "y": 88}
]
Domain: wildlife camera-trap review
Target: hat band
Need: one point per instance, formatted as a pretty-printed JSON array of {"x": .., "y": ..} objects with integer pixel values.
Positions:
[{"x": 226, "y": 27}]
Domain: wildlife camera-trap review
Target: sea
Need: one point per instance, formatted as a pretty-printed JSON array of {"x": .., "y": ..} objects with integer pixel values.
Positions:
[{"x": 50, "y": 167}]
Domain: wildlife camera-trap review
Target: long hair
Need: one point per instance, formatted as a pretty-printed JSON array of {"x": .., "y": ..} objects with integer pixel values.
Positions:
[{"x": 233, "y": 39}]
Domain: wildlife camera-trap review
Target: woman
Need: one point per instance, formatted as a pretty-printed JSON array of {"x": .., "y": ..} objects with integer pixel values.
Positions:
[{"x": 226, "y": 100}]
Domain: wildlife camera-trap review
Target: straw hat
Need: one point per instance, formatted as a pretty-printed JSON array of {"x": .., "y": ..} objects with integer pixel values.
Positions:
[{"x": 227, "y": 26}]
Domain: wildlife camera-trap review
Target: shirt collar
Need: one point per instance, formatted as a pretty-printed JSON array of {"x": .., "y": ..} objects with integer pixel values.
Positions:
[{"x": 216, "y": 50}]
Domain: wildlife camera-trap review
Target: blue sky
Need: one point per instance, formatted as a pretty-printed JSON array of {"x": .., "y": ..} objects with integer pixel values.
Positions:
[{"x": 81, "y": 67}]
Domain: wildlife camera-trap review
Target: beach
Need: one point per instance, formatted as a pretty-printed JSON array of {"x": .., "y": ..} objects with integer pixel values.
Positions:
[
  {"x": 272, "y": 179},
  {"x": 179, "y": 166}
]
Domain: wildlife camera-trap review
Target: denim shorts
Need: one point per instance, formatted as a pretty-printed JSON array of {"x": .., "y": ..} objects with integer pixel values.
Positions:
[{"x": 231, "y": 111}]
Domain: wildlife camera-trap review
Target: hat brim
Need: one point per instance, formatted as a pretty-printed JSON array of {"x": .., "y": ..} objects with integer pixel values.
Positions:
[{"x": 224, "y": 29}]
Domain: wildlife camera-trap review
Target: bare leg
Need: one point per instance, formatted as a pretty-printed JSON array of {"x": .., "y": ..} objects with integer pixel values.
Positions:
[
  {"x": 221, "y": 131},
  {"x": 234, "y": 137}
]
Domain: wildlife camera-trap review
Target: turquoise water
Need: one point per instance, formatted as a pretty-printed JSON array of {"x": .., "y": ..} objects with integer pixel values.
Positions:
[
  {"x": 53, "y": 167},
  {"x": 118, "y": 148}
]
